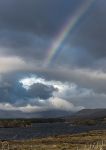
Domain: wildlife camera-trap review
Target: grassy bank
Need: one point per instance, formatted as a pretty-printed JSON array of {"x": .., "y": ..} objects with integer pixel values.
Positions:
[{"x": 95, "y": 140}]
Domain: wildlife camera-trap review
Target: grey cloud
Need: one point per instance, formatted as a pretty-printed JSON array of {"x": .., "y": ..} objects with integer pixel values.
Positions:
[
  {"x": 24, "y": 45},
  {"x": 27, "y": 30},
  {"x": 12, "y": 91},
  {"x": 35, "y": 16},
  {"x": 91, "y": 101},
  {"x": 90, "y": 89},
  {"x": 90, "y": 35},
  {"x": 91, "y": 79},
  {"x": 85, "y": 45},
  {"x": 41, "y": 91}
]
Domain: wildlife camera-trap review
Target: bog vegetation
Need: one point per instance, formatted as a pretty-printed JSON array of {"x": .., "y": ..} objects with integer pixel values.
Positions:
[{"x": 95, "y": 140}]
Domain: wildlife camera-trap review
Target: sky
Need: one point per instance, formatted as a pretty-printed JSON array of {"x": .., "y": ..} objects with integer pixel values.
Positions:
[{"x": 52, "y": 56}]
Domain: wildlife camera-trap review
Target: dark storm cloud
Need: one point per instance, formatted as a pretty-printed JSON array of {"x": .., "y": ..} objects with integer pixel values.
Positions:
[
  {"x": 35, "y": 16},
  {"x": 28, "y": 27},
  {"x": 12, "y": 91},
  {"x": 25, "y": 45},
  {"x": 91, "y": 79},
  {"x": 41, "y": 91},
  {"x": 89, "y": 38},
  {"x": 27, "y": 30},
  {"x": 90, "y": 86}
]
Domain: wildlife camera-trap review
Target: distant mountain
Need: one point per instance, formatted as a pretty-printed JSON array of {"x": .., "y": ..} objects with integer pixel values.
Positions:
[
  {"x": 89, "y": 114},
  {"x": 66, "y": 115},
  {"x": 43, "y": 114}
]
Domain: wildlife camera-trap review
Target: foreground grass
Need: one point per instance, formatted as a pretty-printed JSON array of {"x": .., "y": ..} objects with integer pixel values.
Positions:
[{"x": 95, "y": 140}]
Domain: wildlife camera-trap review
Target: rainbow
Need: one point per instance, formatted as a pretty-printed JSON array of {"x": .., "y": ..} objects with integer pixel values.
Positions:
[{"x": 54, "y": 49}]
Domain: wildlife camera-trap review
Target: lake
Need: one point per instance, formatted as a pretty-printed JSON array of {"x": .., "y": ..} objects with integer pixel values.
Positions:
[{"x": 44, "y": 130}]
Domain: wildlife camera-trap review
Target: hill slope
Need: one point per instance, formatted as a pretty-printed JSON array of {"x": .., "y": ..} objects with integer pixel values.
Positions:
[{"x": 90, "y": 114}]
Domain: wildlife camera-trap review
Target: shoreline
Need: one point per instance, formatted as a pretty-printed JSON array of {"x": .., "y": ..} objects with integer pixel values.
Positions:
[{"x": 60, "y": 142}]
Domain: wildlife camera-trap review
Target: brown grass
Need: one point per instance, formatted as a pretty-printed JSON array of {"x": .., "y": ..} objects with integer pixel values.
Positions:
[{"x": 95, "y": 140}]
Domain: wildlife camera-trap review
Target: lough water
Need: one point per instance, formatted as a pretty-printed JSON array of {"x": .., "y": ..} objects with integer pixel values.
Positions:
[{"x": 43, "y": 130}]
